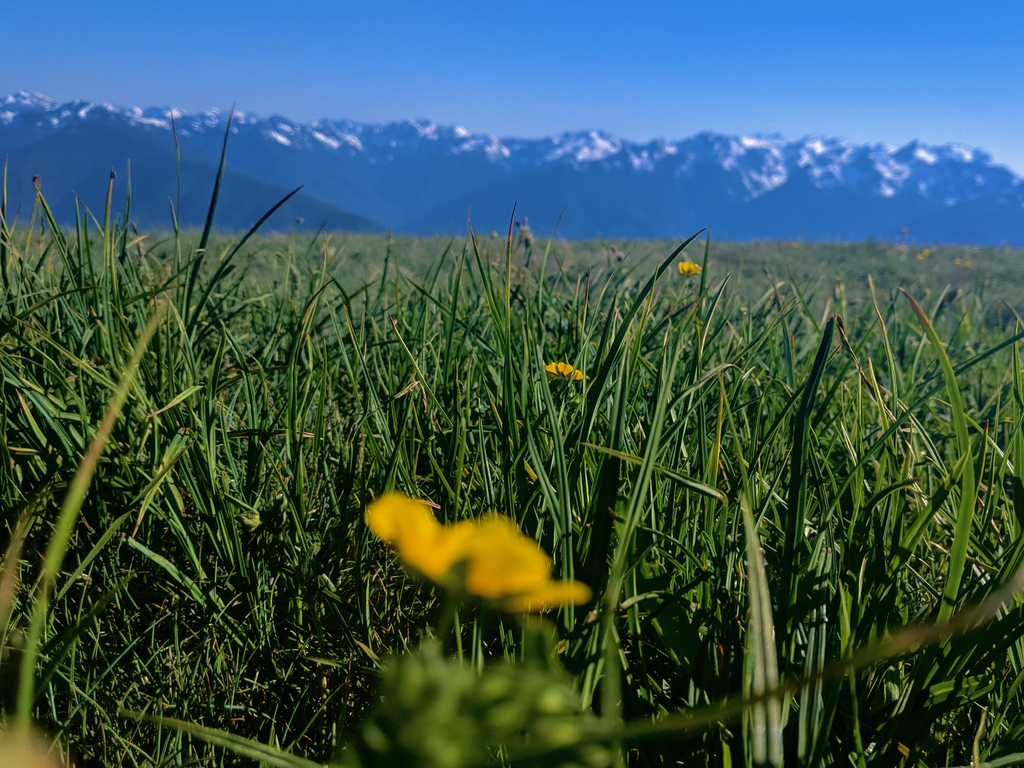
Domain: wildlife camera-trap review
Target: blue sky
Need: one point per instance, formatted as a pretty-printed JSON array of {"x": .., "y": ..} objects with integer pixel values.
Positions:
[{"x": 869, "y": 71}]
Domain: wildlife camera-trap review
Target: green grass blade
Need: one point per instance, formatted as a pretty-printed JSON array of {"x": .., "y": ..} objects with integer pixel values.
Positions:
[
  {"x": 763, "y": 667},
  {"x": 240, "y": 746},
  {"x": 968, "y": 487},
  {"x": 208, "y": 226}
]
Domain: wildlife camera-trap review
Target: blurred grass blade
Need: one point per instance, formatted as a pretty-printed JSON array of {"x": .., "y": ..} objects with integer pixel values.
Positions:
[
  {"x": 762, "y": 664},
  {"x": 248, "y": 748},
  {"x": 93, "y": 554}
]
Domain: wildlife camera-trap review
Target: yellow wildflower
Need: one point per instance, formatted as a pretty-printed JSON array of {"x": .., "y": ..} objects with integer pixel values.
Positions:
[
  {"x": 563, "y": 371},
  {"x": 958, "y": 261},
  {"x": 488, "y": 558},
  {"x": 924, "y": 253},
  {"x": 424, "y": 544},
  {"x": 689, "y": 268},
  {"x": 902, "y": 249},
  {"x": 511, "y": 570},
  {"x": 969, "y": 264}
]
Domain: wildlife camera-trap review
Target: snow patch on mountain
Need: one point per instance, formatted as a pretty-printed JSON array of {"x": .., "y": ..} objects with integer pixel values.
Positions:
[
  {"x": 24, "y": 101},
  {"x": 326, "y": 140},
  {"x": 584, "y": 147}
]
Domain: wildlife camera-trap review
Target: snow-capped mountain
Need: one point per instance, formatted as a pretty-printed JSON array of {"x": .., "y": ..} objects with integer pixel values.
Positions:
[{"x": 416, "y": 176}]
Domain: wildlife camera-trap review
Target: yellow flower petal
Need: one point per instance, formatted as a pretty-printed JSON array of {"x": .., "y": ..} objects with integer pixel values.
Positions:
[
  {"x": 394, "y": 518},
  {"x": 563, "y": 371},
  {"x": 411, "y": 528},
  {"x": 551, "y": 595},
  {"x": 501, "y": 561},
  {"x": 436, "y": 557}
]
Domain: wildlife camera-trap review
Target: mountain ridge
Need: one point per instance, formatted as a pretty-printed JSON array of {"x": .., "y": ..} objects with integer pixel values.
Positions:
[{"x": 417, "y": 176}]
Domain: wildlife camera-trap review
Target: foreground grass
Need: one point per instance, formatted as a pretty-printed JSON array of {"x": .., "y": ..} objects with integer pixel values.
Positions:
[{"x": 220, "y": 573}]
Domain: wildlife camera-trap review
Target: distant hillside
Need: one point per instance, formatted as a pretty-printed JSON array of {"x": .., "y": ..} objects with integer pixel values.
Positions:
[
  {"x": 418, "y": 177},
  {"x": 75, "y": 160}
]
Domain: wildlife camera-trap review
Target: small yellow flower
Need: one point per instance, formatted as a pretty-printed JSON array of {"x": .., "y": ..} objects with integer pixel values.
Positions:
[
  {"x": 969, "y": 264},
  {"x": 688, "y": 268},
  {"x": 902, "y": 249},
  {"x": 498, "y": 563},
  {"x": 563, "y": 371},
  {"x": 958, "y": 261},
  {"x": 924, "y": 254}
]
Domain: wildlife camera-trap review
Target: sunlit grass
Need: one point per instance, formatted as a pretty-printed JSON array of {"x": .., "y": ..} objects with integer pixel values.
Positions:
[{"x": 768, "y": 465}]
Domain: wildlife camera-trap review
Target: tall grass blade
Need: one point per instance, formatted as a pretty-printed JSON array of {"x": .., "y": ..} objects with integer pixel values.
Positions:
[
  {"x": 968, "y": 487},
  {"x": 208, "y": 226},
  {"x": 763, "y": 669}
]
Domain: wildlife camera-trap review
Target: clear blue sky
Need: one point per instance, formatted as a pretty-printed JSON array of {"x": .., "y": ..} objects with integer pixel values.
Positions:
[{"x": 869, "y": 71}]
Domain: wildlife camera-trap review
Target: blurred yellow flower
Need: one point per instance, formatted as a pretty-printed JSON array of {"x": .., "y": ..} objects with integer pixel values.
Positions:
[
  {"x": 924, "y": 253},
  {"x": 424, "y": 544},
  {"x": 902, "y": 249},
  {"x": 958, "y": 261},
  {"x": 26, "y": 748},
  {"x": 969, "y": 264},
  {"x": 563, "y": 371},
  {"x": 488, "y": 558},
  {"x": 689, "y": 268}
]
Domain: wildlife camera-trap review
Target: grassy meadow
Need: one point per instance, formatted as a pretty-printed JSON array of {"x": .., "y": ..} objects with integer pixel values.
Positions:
[{"x": 793, "y": 488}]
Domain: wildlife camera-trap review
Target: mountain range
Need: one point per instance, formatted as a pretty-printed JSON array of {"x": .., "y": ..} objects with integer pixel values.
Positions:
[{"x": 418, "y": 177}]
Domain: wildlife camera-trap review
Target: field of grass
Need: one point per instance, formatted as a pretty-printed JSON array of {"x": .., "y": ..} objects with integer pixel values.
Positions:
[{"x": 794, "y": 490}]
